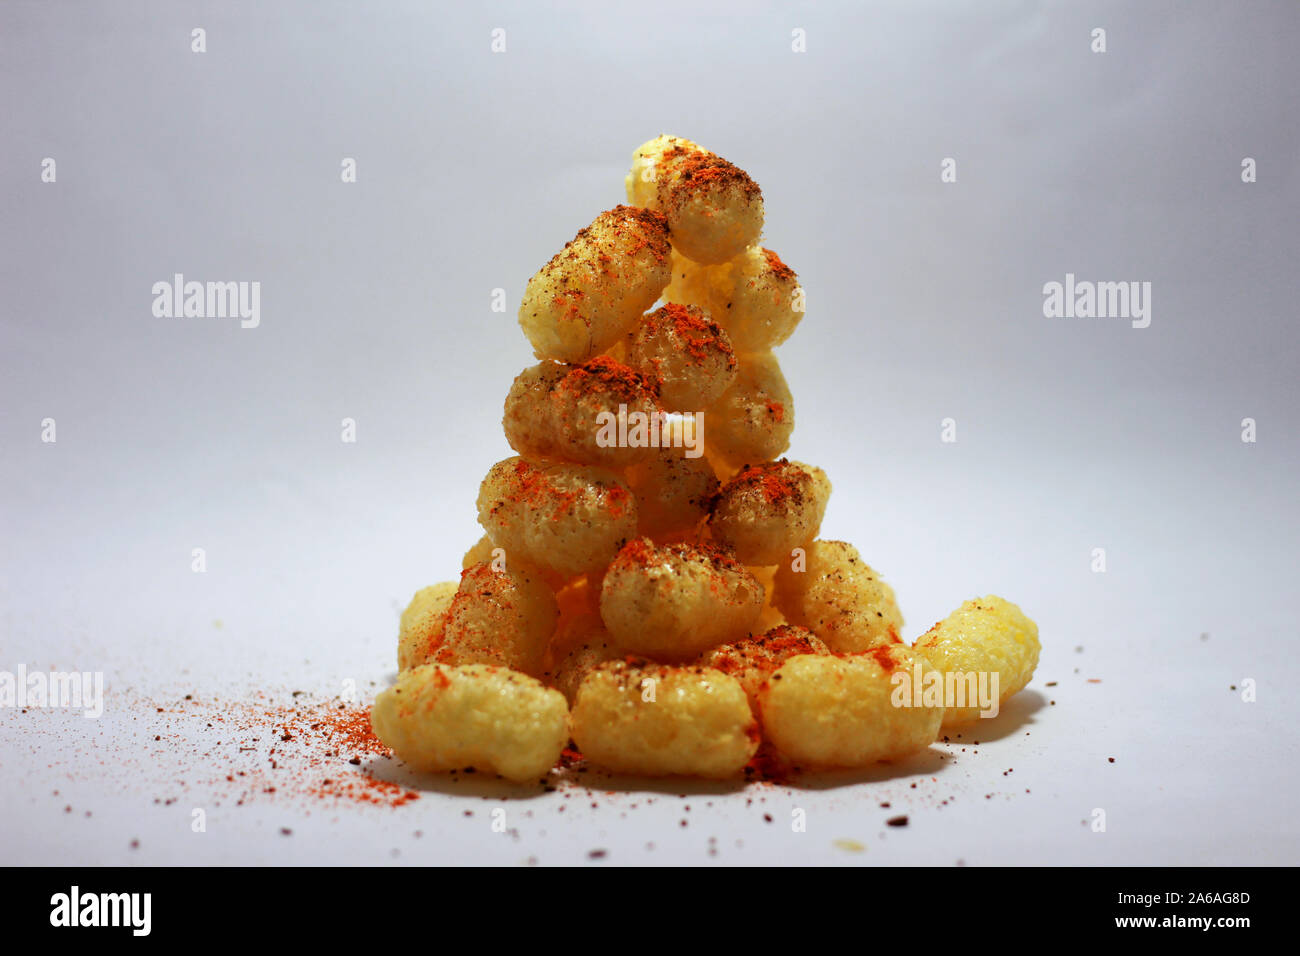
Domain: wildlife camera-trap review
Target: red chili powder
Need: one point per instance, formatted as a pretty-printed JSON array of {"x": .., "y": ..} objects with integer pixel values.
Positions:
[
  {"x": 779, "y": 481},
  {"x": 611, "y": 379},
  {"x": 787, "y": 641},
  {"x": 779, "y": 269},
  {"x": 641, "y": 229},
  {"x": 696, "y": 334},
  {"x": 632, "y": 228},
  {"x": 639, "y": 552},
  {"x": 533, "y": 487},
  {"x": 617, "y": 500},
  {"x": 884, "y": 656},
  {"x": 569, "y": 303},
  {"x": 692, "y": 170}
]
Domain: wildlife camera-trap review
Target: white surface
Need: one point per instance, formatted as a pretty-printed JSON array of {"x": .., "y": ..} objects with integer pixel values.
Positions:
[{"x": 924, "y": 302}]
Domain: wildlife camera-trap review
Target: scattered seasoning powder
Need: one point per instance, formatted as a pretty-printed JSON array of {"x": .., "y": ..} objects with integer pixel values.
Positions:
[{"x": 264, "y": 747}]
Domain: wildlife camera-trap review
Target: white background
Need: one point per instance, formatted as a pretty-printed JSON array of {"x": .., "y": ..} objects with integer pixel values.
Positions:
[{"x": 925, "y": 302}]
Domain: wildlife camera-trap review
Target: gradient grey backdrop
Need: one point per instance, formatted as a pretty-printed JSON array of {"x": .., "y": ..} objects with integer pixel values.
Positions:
[{"x": 924, "y": 302}]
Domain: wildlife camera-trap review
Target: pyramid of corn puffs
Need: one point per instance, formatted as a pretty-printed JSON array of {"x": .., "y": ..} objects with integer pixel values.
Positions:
[{"x": 651, "y": 584}]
